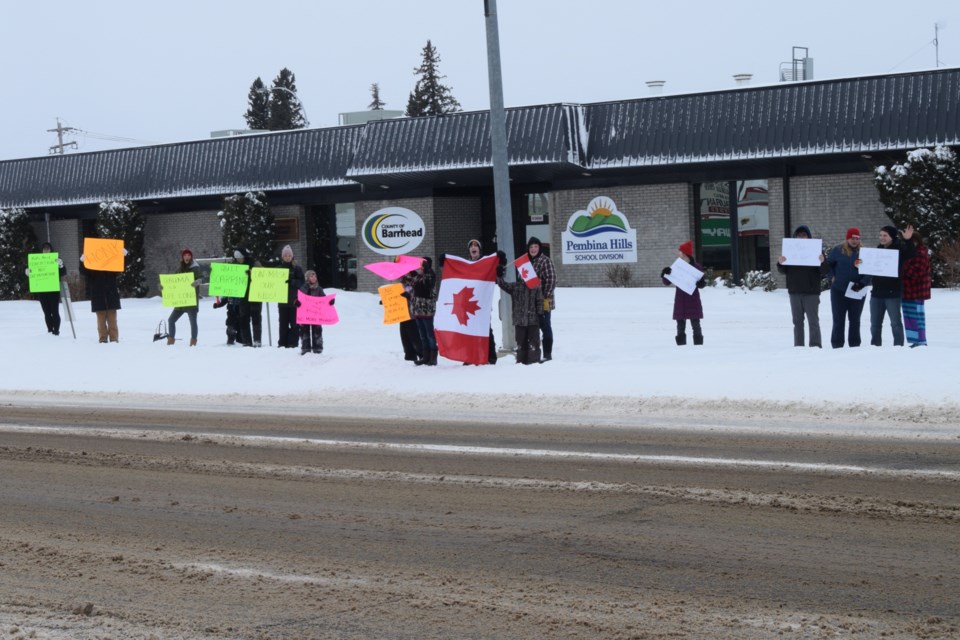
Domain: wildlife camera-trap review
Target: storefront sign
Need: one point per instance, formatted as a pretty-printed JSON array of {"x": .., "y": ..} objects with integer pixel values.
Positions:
[
  {"x": 599, "y": 234},
  {"x": 393, "y": 231}
]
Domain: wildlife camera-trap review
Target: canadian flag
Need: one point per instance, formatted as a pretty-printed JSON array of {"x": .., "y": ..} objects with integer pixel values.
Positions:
[
  {"x": 525, "y": 269},
  {"x": 462, "y": 321}
]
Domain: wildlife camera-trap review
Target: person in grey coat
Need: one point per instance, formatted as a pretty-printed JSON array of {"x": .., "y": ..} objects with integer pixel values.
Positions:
[{"x": 527, "y": 309}]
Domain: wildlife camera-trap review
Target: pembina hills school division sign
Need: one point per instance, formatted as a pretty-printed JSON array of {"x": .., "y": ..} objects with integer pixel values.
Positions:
[
  {"x": 599, "y": 234},
  {"x": 393, "y": 231}
]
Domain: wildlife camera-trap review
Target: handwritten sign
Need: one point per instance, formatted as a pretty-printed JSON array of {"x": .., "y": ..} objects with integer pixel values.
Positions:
[
  {"x": 228, "y": 280},
  {"x": 44, "y": 272},
  {"x": 177, "y": 290},
  {"x": 801, "y": 252},
  {"x": 316, "y": 309},
  {"x": 102, "y": 254},
  {"x": 684, "y": 275},
  {"x": 395, "y": 308},
  {"x": 268, "y": 284},
  {"x": 880, "y": 262},
  {"x": 393, "y": 270}
]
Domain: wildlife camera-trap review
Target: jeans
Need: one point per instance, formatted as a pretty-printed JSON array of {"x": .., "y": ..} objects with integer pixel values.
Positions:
[
  {"x": 176, "y": 314},
  {"x": 428, "y": 339},
  {"x": 845, "y": 308},
  {"x": 805, "y": 305},
  {"x": 545, "y": 327},
  {"x": 890, "y": 307}
]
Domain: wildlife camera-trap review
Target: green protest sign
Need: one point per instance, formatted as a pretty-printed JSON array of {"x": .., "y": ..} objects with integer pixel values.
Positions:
[
  {"x": 44, "y": 272},
  {"x": 228, "y": 280},
  {"x": 177, "y": 290},
  {"x": 268, "y": 285}
]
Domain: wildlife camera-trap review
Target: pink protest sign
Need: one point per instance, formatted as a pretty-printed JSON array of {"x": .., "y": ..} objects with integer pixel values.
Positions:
[
  {"x": 393, "y": 270},
  {"x": 316, "y": 309}
]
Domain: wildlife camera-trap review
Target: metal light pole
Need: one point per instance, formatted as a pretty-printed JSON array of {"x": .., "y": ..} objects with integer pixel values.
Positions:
[{"x": 501, "y": 174}]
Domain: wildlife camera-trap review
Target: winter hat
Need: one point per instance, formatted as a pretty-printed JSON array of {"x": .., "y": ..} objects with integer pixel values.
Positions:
[
  {"x": 306, "y": 274},
  {"x": 239, "y": 255},
  {"x": 891, "y": 231},
  {"x": 853, "y": 232},
  {"x": 534, "y": 240},
  {"x": 476, "y": 242},
  {"x": 803, "y": 229},
  {"x": 47, "y": 246},
  {"x": 686, "y": 248},
  {"x": 428, "y": 263},
  {"x": 186, "y": 252},
  {"x": 287, "y": 249}
]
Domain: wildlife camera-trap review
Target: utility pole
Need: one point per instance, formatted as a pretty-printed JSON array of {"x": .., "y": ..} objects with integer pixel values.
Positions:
[
  {"x": 60, "y": 130},
  {"x": 501, "y": 174},
  {"x": 936, "y": 43}
]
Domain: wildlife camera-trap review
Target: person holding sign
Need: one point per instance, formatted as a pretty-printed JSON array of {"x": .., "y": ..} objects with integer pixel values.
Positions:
[
  {"x": 846, "y": 285},
  {"x": 803, "y": 286},
  {"x": 423, "y": 306},
  {"x": 288, "y": 334},
  {"x": 916, "y": 289},
  {"x": 102, "y": 288},
  {"x": 887, "y": 289},
  {"x": 187, "y": 265},
  {"x": 50, "y": 299},
  {"x": 248, "y": 313},
  {"x": 311, "y": 335},
  {"x": 687, "y": 306}
]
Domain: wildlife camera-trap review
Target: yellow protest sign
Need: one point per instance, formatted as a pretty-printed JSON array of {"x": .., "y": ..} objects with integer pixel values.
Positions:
[
  {"x": 177, "y": 289},
  {"x": 228, "y": 280},
  {"x": 268, "y": 285},
  {"x": 395, "y": 307},
  {"x": 101, "y": 254},
  {"x": 44, "y": 272}
]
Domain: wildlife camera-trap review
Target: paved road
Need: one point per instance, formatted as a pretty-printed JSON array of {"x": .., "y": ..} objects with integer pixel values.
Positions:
[{"x": 187, "y": 525}]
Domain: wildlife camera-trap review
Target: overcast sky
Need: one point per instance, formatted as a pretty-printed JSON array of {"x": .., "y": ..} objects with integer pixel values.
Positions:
[{"x": 176, "y": 70}]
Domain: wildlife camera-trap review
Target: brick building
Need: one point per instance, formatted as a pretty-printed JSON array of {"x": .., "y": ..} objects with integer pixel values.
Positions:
[{"x": 732, "y": 170}]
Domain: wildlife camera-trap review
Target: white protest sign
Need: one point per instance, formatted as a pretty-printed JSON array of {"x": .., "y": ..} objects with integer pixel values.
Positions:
[
  {"x": 684, "y": 276},
  {"x": 801, "y": 252},
  {"x": 856, "y": 295},
  {"x": 879, "y": 262}
]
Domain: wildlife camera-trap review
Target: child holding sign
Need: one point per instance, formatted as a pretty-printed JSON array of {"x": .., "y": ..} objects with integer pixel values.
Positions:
[
  {"x": 687, "y": 306},
  {"x": 311, "y": 335}
]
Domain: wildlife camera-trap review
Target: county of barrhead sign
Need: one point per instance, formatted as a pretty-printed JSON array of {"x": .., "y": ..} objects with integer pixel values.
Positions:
[
  {"x": 599, "y": 234},
  {"x": 393, "y": 231}
]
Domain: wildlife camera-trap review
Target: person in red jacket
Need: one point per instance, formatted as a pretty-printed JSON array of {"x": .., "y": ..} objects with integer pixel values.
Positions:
[{"x": 916, "y": 289}]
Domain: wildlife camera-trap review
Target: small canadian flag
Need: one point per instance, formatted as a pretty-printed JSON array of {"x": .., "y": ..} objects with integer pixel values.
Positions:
[{"x": 525, "y": 269}]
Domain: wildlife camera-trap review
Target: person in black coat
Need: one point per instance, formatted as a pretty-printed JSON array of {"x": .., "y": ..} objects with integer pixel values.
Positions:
[
  {"x": 104, "y": 295},
  {"x": 289, "y": 333},
  {"x": 803, "y": 286},
  {"x": 50, "y": 300},
  {"x": 885, "y": 299}
]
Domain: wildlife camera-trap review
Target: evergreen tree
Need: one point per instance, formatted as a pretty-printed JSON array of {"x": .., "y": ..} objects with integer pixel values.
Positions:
[
  {"x": 246, "y": 222},
  {"x": 429, "y": 96},
  {"x": 376, "y": 104},
  {"x": 258, "y": 109},
  {"x": 122, "y": 221},
  {"x": 286, "y": 111},
  {"x": 16, "y": 239},
  {"x": 925, "y": 191}
]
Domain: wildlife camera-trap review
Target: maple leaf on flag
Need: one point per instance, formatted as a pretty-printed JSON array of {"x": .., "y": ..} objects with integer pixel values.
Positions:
[
  {"x": 463, "y": 305},
  {"x": 524, "y": 273}
]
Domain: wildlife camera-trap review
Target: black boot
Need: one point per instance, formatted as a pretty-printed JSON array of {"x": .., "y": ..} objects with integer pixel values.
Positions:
[
  {"x": 681, "y": 340},
  {"x": 547, "y": 349},
  {"x": 433, "y": 358},
  {"x": 698, "y": 339}
]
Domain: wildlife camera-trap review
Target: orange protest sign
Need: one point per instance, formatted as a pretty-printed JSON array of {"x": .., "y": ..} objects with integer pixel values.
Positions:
[
  {"x": 395, "y": 308},
  {"x": 101, "y": 254}
]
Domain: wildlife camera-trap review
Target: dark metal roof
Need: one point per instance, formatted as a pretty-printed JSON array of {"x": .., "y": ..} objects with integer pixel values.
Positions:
[
  {"x": 277, "y": 161},
  {"x": 816, "y": 119},
  {"x": 856, "y": 115}
]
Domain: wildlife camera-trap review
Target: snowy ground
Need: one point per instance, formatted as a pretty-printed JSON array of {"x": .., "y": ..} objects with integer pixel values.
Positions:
[{"x": 615, "y": 363}]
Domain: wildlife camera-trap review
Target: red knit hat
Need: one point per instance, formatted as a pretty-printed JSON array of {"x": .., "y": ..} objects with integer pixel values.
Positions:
[
  {"x": 853, "y": 231},
  {"x": 686, "y": 248},
  {"x": 185, "y": 252}
]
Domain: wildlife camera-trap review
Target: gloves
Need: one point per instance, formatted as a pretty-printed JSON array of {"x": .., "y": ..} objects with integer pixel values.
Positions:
[
  {"x": 501, "y": 270},
  {"x": 333, "y": 301},
  {"x": 82, "y": 257},
  {"x": 666, "y": 271},
  {"x": 856, "y": 287},
  {"x": 440, "y": 260},
  {"x": 27, "y": 271},
  {"x": 60, "y": 262},
  {"x": 217, "y": 305},
  {"x": 125, "y": 253},
  {"x": 195, "y": 284},
  {"x": 501, "y": 258},
  {"x": 702, "y": 282},
  {"x": 297, "y": 304}
]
